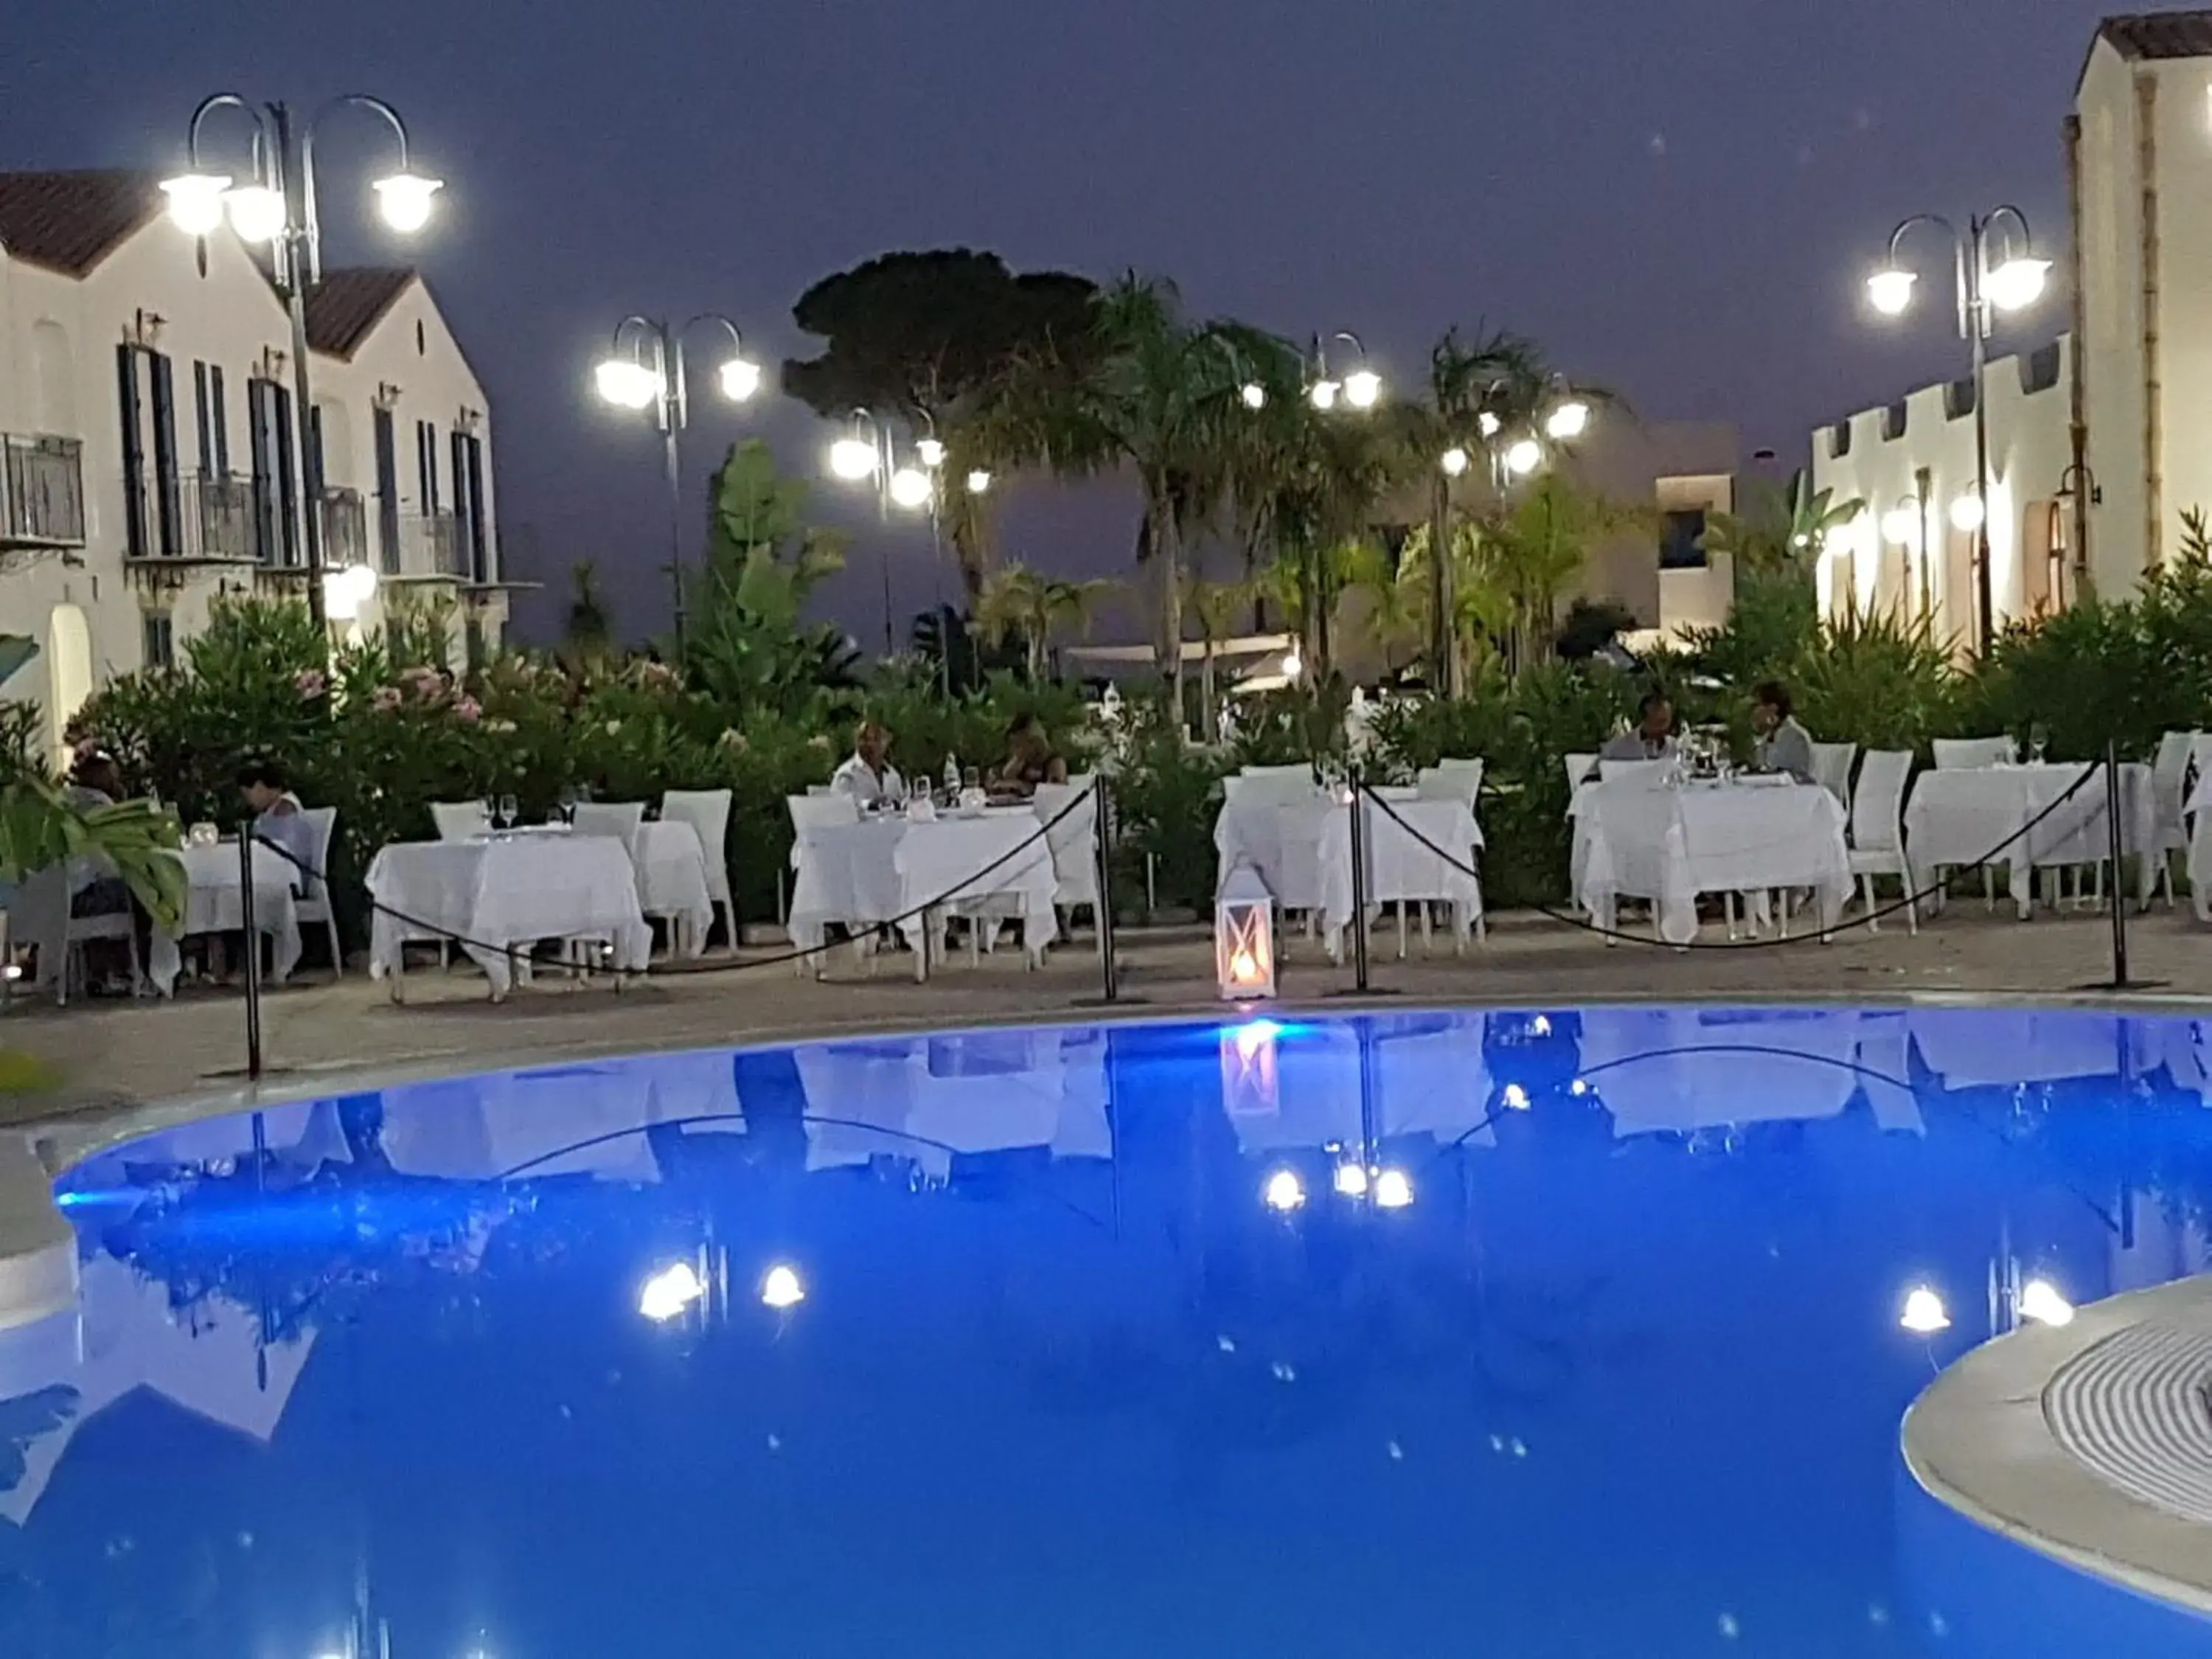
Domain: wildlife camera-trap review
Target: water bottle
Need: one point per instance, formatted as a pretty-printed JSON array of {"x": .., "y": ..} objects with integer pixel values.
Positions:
[{"x": 951, "y": 774}]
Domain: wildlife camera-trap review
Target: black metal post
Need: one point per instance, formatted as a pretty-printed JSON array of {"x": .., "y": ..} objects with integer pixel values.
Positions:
[
  {"x": 2119, "y": 889},
  {"x": 1109, "y": 966},
  {"x": 252, "y": 954},
  {"x": 1109, "y": 985},
  {"x": 1358, "y": 884}
]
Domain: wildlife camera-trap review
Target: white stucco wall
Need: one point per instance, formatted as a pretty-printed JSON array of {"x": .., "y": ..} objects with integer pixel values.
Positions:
[
  {"x": 2030, "y": 449},
  {"x": 151, "y": 288}
]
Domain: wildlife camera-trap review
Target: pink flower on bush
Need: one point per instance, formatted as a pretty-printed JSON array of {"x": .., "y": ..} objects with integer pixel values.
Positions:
[
  {"x": 818, "y": 741},
  {"x": 310, "y": 683},
  {"x": 387, "y": 697},
  {"x": 656, "y": 675},
  {"x": 424, "y": 681},
  {"x": 732, "y": 739},
  {"x": 467, "y": 709}
]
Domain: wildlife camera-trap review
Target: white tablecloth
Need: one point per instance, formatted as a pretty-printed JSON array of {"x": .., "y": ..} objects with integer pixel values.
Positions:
[
  {"x": 888, "y": 866},
  {"x": 505, "y": 893},
  {"x": 2200, "y": 848},
  {"x": 1303, "y": 851},
  {"x": 1955, "y": 817},
  {"x": 672, "y": 881},
  {"x": 1668, "y": 845},
  {"x": 212, "y": 905}
]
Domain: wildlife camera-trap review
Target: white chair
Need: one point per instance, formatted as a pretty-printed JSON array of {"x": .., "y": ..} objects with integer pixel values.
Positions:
[
  {"x": 1457, "y": 781},
  {"x": 2169, "y": 783},
  {"x": 1831, "y": 770},
  {"x": 314, "y": 904},
  {"x": 1638, "y": 773},
  {"x": 1957, "y": 754},
  {"x": 1877, "y": 846},
  {"x": 707, "y": 812},
  {"x": 460, "y": 820},
  {"x": 1275, "y": 786},
  {"x": 1580, "y": 768},
  {"x": 826, "y": 810},
  {"x": 1074, "y": 844},
  {"x": 1451, "y": 780},
  {"x": 615, "y": 820}
]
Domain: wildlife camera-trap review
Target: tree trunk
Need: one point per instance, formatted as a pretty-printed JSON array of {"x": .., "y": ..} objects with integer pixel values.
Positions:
[
  {"x": 1211, "y": 724},
  {"x": 1443, "y": 677},
  {"x": 1167, "y": 568}
]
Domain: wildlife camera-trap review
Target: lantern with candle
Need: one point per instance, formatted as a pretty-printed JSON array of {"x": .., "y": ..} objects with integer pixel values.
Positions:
[{"x": 1244, "y": 937}]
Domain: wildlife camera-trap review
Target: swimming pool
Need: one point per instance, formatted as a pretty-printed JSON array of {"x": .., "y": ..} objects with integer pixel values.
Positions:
[{"x": 1535, "y": 1334}]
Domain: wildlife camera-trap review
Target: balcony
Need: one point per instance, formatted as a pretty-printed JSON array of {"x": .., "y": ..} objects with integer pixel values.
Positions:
[
  {"x": 343, "y": 517},
  {"x": 207, "y": 521},
  {"x": 41, "y": 491}
]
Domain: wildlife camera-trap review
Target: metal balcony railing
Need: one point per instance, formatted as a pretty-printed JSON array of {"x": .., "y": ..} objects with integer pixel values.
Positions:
[
  {"x": 207, "y": 518},
  {"x": 41, "y": 490},
  {"x": 430, "y": 546},
  {"x": 343, "y": 517}
]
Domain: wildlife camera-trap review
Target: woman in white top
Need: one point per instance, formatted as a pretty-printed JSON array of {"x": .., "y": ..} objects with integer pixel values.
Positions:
[{"x": 867, "y": 775}]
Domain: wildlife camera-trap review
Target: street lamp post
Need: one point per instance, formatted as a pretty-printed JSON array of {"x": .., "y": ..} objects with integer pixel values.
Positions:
[
  {"x": 868, "y": 454},
  {"x": 278, "y": 207},
  {"x": 661, "y": 383},
  {"x": 1982, "y": 291}
]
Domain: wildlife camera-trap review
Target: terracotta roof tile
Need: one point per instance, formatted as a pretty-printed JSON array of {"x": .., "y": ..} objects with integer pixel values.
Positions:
[
  {"x": 2160, "y": 34},
  {"x": 348, "y": 304},
  {"x": 69, "y": 221}
]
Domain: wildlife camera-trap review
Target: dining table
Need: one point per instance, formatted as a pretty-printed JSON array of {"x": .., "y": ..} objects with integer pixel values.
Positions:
[
  {"x": 498, "y": 895},
  {"x": 1418, "y": 851},
  {"x": 2042, "y": 816},
  {"x": 215, "y": 903},
  {"x": 981, "y": 862},
  {"x": 1667, "y": 842}
]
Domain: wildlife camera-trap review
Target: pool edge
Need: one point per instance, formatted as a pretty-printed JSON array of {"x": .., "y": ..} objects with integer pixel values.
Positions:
[{"x": 1977, "y": 1440}]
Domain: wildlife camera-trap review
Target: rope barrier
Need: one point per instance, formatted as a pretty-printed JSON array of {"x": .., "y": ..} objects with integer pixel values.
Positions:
[{"x": 2091, "y": 770}]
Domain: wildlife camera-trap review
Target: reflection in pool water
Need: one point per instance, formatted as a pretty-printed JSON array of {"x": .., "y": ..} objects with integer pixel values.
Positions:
[{"x": 1586, "y": 1333}]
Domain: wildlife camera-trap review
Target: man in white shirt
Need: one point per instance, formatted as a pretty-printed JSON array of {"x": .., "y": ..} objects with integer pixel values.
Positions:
[{"x": 867, "y": 775}]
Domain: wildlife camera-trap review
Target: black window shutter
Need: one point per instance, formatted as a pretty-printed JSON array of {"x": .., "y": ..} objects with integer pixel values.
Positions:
[
  {"x": 426, "y": 467},
  {"x": 387, "y": 492},
  {"x": 261, "y": 435},
  {"x": 464, "y": 546},
  {"x": 205, "y": 418},
  {"x": 134, "y": 454},
  {"x": 165, "y": 454},
  {"x": 219, "y": 413},
  {"x": 288, "y": 474},
  {"x": 483, "y": 570}
]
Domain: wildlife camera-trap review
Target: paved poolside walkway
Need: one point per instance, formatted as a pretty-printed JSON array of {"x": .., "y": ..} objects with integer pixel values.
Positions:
[{"x": 114, "y": 1054}]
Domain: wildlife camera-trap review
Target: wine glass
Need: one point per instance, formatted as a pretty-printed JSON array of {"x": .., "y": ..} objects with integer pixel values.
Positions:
[
  {"x": 568, "y": 803},
  {"x": 2038, "y": 741},
  {"x": 510, "y": 810},
  {"x": 491, "y": 812}
]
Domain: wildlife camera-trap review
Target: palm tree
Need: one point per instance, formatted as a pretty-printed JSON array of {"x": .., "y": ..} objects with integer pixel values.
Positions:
[
  {"x": 1161, "y": 396},
  {"x": 1499, "y": 383},
  {"x": 1786, "y": 527},
  {"x": 1216, "y": 606},
  {"x": 1017, "y": 600},
  {"x": 1534, "y": 546}
]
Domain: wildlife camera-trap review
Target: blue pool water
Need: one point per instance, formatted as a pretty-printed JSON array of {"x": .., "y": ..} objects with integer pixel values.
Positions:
[{"x": 1623, "y": 1378}]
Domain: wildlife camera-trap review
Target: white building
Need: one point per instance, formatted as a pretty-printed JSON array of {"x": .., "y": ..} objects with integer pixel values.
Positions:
[
  {"x": 146, "y": 390},
  {"x": 2095, "y": 440}
]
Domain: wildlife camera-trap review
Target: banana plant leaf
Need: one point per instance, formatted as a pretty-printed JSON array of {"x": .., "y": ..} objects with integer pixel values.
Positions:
[{"x": 38, "y": 829}]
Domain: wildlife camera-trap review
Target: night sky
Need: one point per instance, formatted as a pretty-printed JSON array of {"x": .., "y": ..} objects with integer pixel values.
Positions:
[{"x": 1677, "y": 198}]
